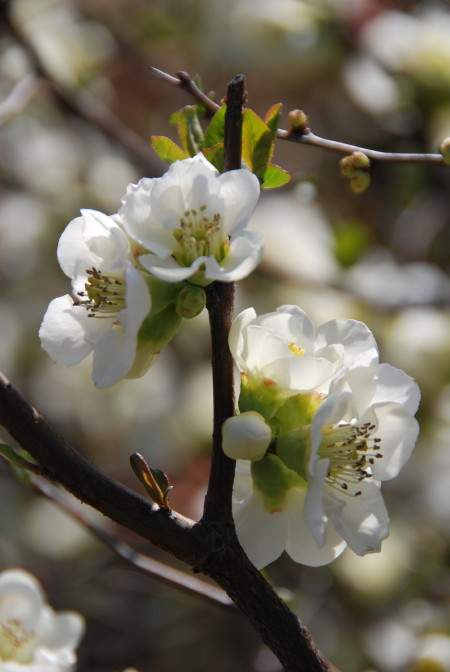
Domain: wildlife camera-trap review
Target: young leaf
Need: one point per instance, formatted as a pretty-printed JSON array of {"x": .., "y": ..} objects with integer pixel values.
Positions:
[
  {"x": 215, "y": 131},
  {"x": 190, "y": 131},
  {"x": 167, "y": 150},
  {"x": 215, "y": 155},
  {"x": 272, "y": 118},
  {"x": 257, "y": 142},
  {"x": 272, "y": 176}
]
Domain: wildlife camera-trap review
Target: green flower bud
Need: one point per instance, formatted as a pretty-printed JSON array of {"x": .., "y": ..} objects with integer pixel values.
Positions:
[
  {"x": 274, "y": 480},
  {"x": 190, "y": 301},
  {"x": 298, "y": 120},
  {"x": 359, "y": 181}
]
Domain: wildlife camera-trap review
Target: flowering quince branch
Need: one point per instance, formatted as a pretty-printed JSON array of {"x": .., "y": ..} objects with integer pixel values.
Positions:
[{"x": 300, "y": 133}]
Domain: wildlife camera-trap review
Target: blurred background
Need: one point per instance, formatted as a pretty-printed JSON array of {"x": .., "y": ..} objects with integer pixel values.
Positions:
[{"x": 78, "y": 107}]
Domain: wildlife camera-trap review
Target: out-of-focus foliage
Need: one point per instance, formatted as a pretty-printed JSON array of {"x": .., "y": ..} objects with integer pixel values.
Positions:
[{"x": 371, "y": 73}]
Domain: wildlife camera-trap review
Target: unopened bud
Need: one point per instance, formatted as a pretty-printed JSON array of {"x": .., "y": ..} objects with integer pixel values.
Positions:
[
  {"x": 444, "y": 148},
  {"x": 190, "y": 301},
  {"x": 359, "y": 181},
  {"x": 298, "y": 120}
]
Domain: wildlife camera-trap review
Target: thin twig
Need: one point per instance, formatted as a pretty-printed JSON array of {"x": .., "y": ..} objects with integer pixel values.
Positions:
[
  {"x": 306, "y": 137},
  {"x": 20, "y": 96},
  {"x": 170, "y": 576}
]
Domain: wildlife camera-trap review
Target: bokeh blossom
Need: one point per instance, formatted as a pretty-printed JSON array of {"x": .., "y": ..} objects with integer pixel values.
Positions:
[
  {"x": 33, "y": 638},
  {"x": 315, "y": 480},
  {"x": 192, "y": 222}
]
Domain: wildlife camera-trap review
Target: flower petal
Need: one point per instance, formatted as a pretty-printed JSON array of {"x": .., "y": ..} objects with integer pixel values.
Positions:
[
  {"x": 360, "y": 348},
  {"x": 244, "y": 254},
  {"x": 65, "y": 330},
  {"x": 395, "y": 385},
  {"x": 262, "y": 535},
  {"x": 301, "y": 545},
  {"x": 363, "y": 521},
  {"x": 398, "y": 432},
  {"x": 240, "y": 192}
]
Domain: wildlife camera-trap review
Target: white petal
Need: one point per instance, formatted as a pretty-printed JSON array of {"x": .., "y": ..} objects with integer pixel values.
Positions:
[
  {"x": 63, "y": 331},
  {"x": 246, "y": 436},
  {"x": 292, "y": 324},
  {"x": 398, "y": 432},
  {"x": 262, "y": 535},
  {"x": 360, "y": 348},
  {"x": 262, "y": 347},
  {"x": 73, "y": 254},
  {"x": 237, "y": 340},
  {"x": 169, "y": 269},
  {"x": 363, "y": 521},
  {"x": 299, "y": 374},
  {"x": 114, "y": 355},
  {"x": 244, "y": 255},
  {"x": 137, "y": 301},
  {"x": 314, "y": 514},
  {"x": 240, "y": 191},
  {"x": 139, "y": 221},
  {"x": 301, "y": 545},
  {"x": 395, "y": 385}
]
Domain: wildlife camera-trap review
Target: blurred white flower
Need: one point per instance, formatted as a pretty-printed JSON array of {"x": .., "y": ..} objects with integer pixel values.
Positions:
[
  {"x": 33, "y": 638},
  {"x": 193, "y": 222},
  {"x": 112, "y": 300},
  {"x": 317, "y": 489}
]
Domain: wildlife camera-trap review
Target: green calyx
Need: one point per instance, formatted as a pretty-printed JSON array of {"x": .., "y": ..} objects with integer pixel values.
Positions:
[
  {"x": 190, "y": 301},
  {"x": 273, "y": 480},
  {"x": 293, "y": 450},
  {"x": 297, "y": 411},
  {"x": 261, "y": 395}
]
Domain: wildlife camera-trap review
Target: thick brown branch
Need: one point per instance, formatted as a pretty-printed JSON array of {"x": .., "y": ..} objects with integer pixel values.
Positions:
[
  {"x": 306, "y": 137},
  {"x": 61, "y": 463},
  {"x": 170, "y": 576}
]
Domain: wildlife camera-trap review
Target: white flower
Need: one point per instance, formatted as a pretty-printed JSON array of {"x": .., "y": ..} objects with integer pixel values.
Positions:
[
  {"x": 193, "y": 222},
  {"x": 33, "y": 638},
  {"x": 362, "y": 434},
  {"x": 112, "y": 300},
  {"x": 283, "y": 347}
]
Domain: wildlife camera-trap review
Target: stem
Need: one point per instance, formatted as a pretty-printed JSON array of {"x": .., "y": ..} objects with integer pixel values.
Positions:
[
  {"x": 306, "y": 137},
  {"x": 220, "y": 303}
]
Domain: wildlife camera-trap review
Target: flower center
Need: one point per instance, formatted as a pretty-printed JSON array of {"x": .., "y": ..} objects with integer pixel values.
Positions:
[
  {"x": 351, "y": 450},
  {"x": 15, "y": 642},
  {"x": 296, "y": 350},
  {"x": 105, "y": 294},
  {"x": 200, "y": 235}
]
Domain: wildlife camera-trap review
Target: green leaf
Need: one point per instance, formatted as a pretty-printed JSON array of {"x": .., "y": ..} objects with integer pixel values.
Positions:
[
  {"x": 215, "y": 131},
  {"x": 272, "y": 176},
  {"x": 257, "y": 141},
  {"x": 272, "y": 118},
  {"x": 167, "y": 150},
  {"x": 215, "y": 155},
  {"x": 190, "y": 131}
]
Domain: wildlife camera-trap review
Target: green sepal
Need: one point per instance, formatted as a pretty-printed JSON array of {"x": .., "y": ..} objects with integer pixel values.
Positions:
[
  {"x": 167, "y": 149},
  {"x": 215, "y": 155},
  {"x": 157, "y": 330},
  {"x": 215, "y": 131},
  {"x": 272, "y": 176},
  {"x": 272, "y": 118},
  {"x": 162, "y": 293},
  {"x": 293, "y": 450},
  {"x": 261, "y": 395},
  {"x": 190, "y": 301},
  {"x": 297, "y": 411},
  {"x": 273, "y": 480},
  {"x": 257, "y": 141}
]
